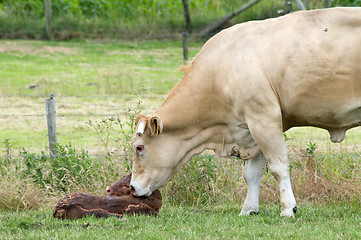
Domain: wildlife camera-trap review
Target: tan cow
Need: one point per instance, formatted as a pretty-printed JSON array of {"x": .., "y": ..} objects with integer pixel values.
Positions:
[{"x": 248, "y": 85}]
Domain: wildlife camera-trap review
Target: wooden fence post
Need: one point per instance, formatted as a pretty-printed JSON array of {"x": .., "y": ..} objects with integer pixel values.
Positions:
[
  {"x": 187, "y": 30},
  {"x": 48, "y": 14},
  {"x": 327, "y": 3},
  {"x": 187, "y": 16},
  {"x": 185, "y": 47},
  {"x": 288, "y": 6},
  {"x": 50, "y": 115}
]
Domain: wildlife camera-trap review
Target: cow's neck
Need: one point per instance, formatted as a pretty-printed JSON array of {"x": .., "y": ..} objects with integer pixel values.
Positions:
[
  {"x": 194, "y": 103},
  {"x": 197, "y": 113}
]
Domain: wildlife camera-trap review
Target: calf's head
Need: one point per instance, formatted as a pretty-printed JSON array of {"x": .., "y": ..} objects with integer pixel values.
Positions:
[{"x": 120, "y": 188}]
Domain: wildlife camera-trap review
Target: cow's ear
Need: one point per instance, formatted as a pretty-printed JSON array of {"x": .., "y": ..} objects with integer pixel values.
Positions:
[{"x": 156, "y": 125}]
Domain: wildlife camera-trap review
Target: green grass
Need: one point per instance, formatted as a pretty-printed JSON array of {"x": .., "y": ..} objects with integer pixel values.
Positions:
[
  {"x": 89, "y": 68},
  {"x": 103, "y": 73},
  {"x": 176, "y": 222}
]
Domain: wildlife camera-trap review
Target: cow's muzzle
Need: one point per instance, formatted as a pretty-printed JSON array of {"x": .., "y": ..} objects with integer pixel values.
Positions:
[{"x": 138, "y": 190}]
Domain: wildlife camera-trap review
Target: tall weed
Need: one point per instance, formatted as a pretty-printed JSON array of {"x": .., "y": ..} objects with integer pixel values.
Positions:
[
  {"x": 124, "y": 129},
  {"x": 18, "y": 192},
  {"x": 67, "y": 170}
]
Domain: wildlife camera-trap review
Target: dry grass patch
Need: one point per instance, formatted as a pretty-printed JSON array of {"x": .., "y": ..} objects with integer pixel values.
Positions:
[
  {"x": 20, "y": 194},
  {"x": 27, "y": 48}
]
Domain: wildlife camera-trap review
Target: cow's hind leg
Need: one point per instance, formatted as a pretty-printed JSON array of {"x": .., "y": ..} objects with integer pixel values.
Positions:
[{"x": 252, "y": 174}]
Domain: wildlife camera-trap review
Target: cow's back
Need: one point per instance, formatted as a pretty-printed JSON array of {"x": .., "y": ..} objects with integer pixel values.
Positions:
[
  {"x": 319, "y": 77},
  {"x": 310, "y": 60}
]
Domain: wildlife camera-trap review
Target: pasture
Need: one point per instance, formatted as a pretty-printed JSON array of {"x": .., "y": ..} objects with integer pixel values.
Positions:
[
  {"x": 99, "y": 87},
  {"x": 175, "y": 222}
]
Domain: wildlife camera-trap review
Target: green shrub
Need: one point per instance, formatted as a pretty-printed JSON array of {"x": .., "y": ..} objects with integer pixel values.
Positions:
[
  {"x": 68, "y": 168},
  {"x": 206, "y": 180},
  {"x": 350, "y": 3},
  {"x": 129, "y": 18},
  {"x": 195, "y": 183}
]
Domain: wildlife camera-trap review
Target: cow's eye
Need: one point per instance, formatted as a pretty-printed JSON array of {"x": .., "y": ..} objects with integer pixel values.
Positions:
[{"x": 139, "y": 149}]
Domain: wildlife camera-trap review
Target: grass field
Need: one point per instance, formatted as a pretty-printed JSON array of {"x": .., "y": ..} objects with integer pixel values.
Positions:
[
  {"x": 107, "y": 76},
  {"x": 89, "y": 68},
  {"x": 313, "y": 222},
  {"x": 95, "y": 80}
]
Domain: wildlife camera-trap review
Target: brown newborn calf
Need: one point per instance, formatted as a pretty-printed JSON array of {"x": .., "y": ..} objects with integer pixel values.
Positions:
[
  {"x": 120, "y": 188},
  {"x": 119, "y": 201}
]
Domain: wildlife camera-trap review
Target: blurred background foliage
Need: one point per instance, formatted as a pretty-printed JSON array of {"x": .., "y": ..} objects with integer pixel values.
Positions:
[{"x": 131, "y": 18}]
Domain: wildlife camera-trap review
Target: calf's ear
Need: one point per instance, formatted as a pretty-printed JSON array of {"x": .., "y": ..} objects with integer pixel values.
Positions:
[{"x": 156, "y": 125}]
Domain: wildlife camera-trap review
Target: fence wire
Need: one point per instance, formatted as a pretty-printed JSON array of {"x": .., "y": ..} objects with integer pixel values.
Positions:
[
  {"x": 23, "y": 125},
  {"x": 23, "y": 122}
]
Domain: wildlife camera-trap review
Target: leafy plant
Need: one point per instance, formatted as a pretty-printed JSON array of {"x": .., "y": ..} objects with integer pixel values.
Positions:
[
  {"x": 195, "y": 184},
  {"x": 36, "y": 167},
  {"x": 350, "y": 3},
  {"x": 67, "y": 168},
  {"x": 8, "y": 146},
  {"x": 311, "y": 148},
  {"x": 286, "y": 137}
]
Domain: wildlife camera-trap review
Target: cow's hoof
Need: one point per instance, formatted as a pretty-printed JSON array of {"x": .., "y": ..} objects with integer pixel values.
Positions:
[
  {"x": 289, "y": 212},
  {"x": 249, "y": 212}
]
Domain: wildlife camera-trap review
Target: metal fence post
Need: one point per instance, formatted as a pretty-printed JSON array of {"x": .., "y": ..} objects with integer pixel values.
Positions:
[{"x": 50, "y": 115}]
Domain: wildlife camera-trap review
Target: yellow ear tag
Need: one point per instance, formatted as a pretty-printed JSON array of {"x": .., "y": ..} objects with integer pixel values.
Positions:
[{"x": 156, "y": 130}]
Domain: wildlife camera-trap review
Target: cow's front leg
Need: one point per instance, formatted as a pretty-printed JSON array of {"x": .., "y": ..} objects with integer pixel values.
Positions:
[
  {"x": 275, "y": 151},
  {"x": 252, "y": 174},
  {"x": 280, "y": 170},
  {"x": 265, "y": 125}
]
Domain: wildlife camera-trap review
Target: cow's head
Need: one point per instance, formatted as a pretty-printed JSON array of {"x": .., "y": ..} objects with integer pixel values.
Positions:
[{"x": 157, "y": 155}]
